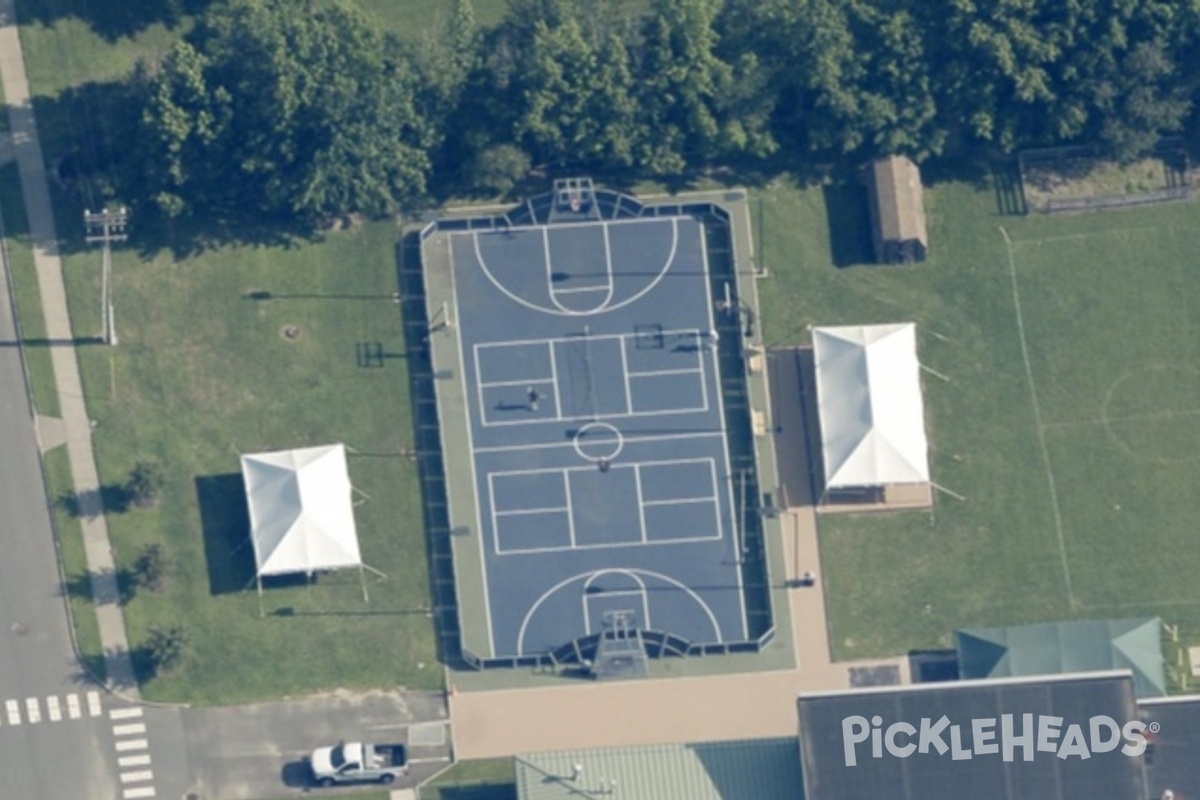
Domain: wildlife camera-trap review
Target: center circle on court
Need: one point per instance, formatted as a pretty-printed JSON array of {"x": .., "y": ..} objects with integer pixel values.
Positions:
[
  {"x": 1151, "y": 413},
  {"x": 598, "y": 441}
]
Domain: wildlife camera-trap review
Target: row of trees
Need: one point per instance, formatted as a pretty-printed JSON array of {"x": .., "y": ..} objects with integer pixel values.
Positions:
[{"x": 278, "y": 110}]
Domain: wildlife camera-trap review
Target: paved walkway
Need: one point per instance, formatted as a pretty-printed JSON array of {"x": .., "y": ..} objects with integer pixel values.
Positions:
[
  {"x": 76, "y": 426},
  {"x": 710, "y": 708}
]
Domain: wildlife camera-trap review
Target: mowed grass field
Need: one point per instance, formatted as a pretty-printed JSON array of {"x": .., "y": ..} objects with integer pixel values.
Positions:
[
  {"x": 203, "y": 374},
  {"x": 1077, "y": 465}
]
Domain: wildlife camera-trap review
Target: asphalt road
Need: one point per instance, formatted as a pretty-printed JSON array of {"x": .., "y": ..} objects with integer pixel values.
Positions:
[{"x": 47, "y": 705}]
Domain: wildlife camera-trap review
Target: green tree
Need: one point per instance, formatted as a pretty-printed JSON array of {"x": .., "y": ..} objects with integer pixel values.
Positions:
[
  {"x": 145, "y": 483},
  {"x": 270, "y": 110},
  {"x": 166, "y": 648}
]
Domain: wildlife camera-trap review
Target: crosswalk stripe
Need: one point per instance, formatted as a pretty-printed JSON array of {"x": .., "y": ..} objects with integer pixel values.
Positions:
[
  {"x": 93, "y": 700},
  {"x": 137, "y": 777},
  {"x": 133, "y": 761},
  {"x": 131, "y": 744},
  {"x": 140, "y": 791},
  {"x": 125, "y": 713},
  {"x": 14, "y": 712},
  {"x": 73, "y": 706},
  {"x": 52, "y": 708},
  {"x": 130, "y": 729},
  {"x": 32, "y": 710}
]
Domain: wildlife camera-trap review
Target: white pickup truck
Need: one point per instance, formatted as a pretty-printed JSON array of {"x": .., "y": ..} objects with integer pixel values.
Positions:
[{"x": 356, "y": 762}]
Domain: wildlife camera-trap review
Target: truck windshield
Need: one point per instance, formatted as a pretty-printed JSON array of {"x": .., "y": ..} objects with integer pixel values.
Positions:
[{"x": 337, "y": 757}]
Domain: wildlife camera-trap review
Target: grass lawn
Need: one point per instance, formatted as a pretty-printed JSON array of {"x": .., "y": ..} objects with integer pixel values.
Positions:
[
  {"x": 203, "y": 373},
  {"x": 1110, "y": 324}
]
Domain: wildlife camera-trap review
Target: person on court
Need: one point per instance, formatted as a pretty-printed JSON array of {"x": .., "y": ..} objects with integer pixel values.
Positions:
[{"x": 533, "y": 398}]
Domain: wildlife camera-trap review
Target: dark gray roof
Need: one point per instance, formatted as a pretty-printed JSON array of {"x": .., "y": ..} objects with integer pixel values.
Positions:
[
  {"x": 933, "y": 776},
  {"x": 1172, "y": 762}
]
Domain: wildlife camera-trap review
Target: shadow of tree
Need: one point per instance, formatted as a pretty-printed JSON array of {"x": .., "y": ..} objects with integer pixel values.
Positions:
[
  {"x": 81, "y": 586},
  {"x": 109, "y": 499},
  {"x": 114, "y": 19}
]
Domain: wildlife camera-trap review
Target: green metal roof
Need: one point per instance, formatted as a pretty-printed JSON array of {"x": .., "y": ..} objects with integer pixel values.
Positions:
[
  {"x": 757, "y": 769},
  {"x": 1058, "y": 647}
]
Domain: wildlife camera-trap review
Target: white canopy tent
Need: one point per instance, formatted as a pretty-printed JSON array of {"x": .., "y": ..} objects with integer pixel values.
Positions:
[
  {"x": 870, "y": 406},
  {"x": 301, "y": 511}
]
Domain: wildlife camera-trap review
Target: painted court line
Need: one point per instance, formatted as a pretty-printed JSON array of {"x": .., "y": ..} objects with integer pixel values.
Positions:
[
  {"x": 629, "y": 439},
  {"x": 543, "y": 510},
  {"x": 125, "y": 713},
  {"x": 126, "y": 745},
  {"x": 73, "y": 710},
  {"x": 137, "y": 777},
  {"x": 570, "y": 508},
  {"x": 130, "y": 729},
  {"x": 133, "y": 761}
]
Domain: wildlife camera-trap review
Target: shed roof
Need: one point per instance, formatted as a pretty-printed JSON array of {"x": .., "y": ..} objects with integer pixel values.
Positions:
[
  {"x": 898, "y": 204},
  {"x": 743, "y": 770}
]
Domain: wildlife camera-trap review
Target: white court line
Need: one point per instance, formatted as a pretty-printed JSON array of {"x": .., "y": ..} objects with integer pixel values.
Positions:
[
  {"x": 516, "y": 298},
  {"x": 594, "y": 417},
  {"x": 14, "y": 712},
  {"x": 733, "y": 513},
  {"x": 625, "y": 369},
  {"x": 133, "y": 761},
  {"x": 554, "y": 375},
  {"x": 629, "y": 439},
  {"x": 130, "y": 729},
  {"x": 656, "y": 373},
  {"x": 135, "y": 793},
  {"x": 669, "y": 462},
  {"x": 576, "y": 338},
  {"x": 542, "y": 510},
  {"x": 93, "y": 701},
  {"x": 586, "y": 597},
  {"x": 531, "y": 382},
  {"x": 53, "y": 711},
  {"x": 137, "y": 777},
  {"x": 583, "y": 289},
  {"x": 125, "y": 713},
  {"x": 680, "y": 501},
  {"x": 125, "y": 745},
  {"x": 637, "y": 482},
  {"x": 33, "y": 711},
  {"x": 73, "y": 706},
  {"x": 570, "y": 508}
]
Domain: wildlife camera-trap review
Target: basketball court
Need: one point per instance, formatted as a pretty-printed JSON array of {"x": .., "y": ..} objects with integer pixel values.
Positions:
[{"x": 596, "y": 432}]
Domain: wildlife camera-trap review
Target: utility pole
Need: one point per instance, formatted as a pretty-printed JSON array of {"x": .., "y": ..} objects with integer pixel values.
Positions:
[{"x": 106, "y": 227}]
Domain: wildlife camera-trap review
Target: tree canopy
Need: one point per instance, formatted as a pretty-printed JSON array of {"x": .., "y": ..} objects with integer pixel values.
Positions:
[{"x": 268, "y": 108}]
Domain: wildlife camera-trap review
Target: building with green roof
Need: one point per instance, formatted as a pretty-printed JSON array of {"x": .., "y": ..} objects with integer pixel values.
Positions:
[
  {"x": 1055, "y": 648},
  {"x": 741, "y": 770}
]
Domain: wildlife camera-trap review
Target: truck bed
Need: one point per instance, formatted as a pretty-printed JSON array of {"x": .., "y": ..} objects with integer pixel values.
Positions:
[{"x": 390, "y": 755}]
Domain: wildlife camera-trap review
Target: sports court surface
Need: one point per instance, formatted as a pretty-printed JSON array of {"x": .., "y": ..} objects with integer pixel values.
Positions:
[{"x": 597, "y": 441}]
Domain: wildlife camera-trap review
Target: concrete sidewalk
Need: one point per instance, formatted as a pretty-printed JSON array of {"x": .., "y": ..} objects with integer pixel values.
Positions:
[{"x": 76, "y": 427}]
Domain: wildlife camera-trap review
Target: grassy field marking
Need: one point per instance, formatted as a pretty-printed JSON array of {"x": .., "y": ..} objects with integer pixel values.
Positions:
[{"x": 1037, "y": 418}]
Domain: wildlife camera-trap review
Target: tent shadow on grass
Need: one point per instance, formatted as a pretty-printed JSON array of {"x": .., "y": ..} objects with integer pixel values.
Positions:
[{"x": 225, "y": 524}]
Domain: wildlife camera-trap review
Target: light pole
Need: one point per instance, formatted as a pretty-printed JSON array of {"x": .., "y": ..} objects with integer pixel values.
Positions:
[{"x": 106, "y": 227}]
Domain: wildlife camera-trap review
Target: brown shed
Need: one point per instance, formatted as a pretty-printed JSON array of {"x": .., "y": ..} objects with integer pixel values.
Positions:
[{"x": 897, "y": 211}]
